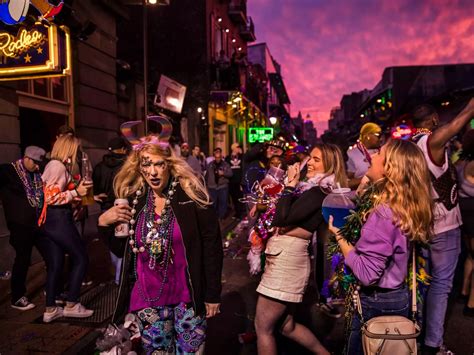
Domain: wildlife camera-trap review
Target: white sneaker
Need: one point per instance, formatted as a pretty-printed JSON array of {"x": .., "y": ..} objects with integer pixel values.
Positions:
[
  {"x": 78, "y": 311},
  {"x": 23, "y": 304},
  {"x": 50, "y": 316}
]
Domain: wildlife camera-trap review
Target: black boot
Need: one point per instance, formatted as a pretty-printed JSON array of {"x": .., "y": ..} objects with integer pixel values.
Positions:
[{"x": 429, "y": 350}]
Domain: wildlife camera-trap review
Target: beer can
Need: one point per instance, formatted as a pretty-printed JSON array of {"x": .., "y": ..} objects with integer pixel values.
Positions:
[{"x": 122, "y": 229}]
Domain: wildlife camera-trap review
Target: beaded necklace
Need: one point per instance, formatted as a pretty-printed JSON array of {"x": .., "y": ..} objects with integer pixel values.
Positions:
[
  {"x": 33, "y": 187},
  {"x": 156, "y": 237},
  {"x": 419, "y": 132},
  {"x": 364, "y": 151}
]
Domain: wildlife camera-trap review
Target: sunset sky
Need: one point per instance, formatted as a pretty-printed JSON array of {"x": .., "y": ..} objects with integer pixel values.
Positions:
[{"x": 328, "y": 48}]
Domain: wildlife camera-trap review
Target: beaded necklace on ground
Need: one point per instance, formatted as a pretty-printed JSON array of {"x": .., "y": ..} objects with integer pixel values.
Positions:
[
  {"x": 33, "y": 187},
  {"x": 156, "y": 237}
]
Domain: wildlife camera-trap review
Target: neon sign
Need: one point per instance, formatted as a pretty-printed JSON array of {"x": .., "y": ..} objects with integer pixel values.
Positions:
[
  {"x": 13, "y": 12},
  {"x": 11, "y": 46},
  {"x": 260, "y": 134},
  {"x": 402, "y": 131},
  {"x": 42, "y": 51}
]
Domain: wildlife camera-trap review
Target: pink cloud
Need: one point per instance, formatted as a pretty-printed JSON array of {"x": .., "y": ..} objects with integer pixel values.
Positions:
[{"x": 331, "y": 48}]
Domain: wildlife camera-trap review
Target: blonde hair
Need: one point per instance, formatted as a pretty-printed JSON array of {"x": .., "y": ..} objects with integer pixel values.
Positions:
[
  {"x": 406, "y": 189},
  {"x": 65, "y": 148},
  {"x": 129, "y": 179},
  {"x": 333, "y": 163}
]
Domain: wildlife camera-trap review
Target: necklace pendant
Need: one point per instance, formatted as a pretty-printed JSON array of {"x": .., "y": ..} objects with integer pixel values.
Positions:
[{"x": 155, "y": 247}]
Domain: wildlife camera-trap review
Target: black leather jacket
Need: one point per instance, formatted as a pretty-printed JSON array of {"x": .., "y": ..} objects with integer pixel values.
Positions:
[{"x": 203, "y": 244}]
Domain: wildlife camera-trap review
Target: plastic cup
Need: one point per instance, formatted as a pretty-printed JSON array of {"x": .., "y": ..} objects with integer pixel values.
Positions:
[{"x": 121, "y": 229}]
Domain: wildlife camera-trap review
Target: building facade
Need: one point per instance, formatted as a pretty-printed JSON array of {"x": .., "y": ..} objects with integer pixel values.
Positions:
[
  {"x": 205, "y": 49},
  {"x": 32, "y": 110}
]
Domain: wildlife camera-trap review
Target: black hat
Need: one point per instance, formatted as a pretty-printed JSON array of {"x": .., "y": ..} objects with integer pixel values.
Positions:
[
  {"x": 277, "y": 143},
  {"x": 117, "y": 143}
]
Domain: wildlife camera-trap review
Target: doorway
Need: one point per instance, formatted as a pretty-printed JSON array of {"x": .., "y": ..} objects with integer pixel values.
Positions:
[{"x": 39, "y": 128}]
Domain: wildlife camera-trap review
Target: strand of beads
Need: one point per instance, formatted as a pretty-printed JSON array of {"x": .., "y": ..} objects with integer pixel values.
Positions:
[
  {"x": 131, "y": 232},
  {"x": 151, "y": 236},
  {"x": 33, "y": 188}
]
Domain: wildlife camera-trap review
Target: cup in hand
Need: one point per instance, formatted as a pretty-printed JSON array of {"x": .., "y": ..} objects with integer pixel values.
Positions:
[
  {"x": 88, "y": 199},
  {"x": 121, "y": 229}
]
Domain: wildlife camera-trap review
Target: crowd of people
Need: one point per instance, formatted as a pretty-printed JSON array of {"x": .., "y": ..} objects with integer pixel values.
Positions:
[{"x": 168, "y": 266}]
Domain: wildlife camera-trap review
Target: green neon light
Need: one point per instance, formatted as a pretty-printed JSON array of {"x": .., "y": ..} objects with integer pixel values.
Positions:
[{"x": 260, "y": 134}]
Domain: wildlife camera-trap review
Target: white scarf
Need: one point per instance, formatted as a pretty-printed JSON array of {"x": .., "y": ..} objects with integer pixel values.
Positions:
[{"x": 320, "y": 179}]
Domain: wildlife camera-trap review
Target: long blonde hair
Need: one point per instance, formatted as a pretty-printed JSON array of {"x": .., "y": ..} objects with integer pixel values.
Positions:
[
  {"x": 65, "y": 150},
  {"x": 129, "y": 179},
  {"x": 333, "y": 162},
  {"x": 406, "y": 189}
]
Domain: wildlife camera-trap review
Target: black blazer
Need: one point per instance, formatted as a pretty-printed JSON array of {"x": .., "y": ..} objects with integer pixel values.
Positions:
[{"x": 204, "y": 255}]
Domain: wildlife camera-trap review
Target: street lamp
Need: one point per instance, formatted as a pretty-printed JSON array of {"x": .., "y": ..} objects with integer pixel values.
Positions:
[
  {"x": 273, "y": 120},
  {"x": 145, "y": 55}
]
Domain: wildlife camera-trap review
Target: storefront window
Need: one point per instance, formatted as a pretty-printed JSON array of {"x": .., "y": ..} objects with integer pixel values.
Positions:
[
  {"x": 23, "y": 85},
  {"x": 58, "y": 88},
  {"x": 51, "y": 88},
  {"x": 40, "y": 87}
]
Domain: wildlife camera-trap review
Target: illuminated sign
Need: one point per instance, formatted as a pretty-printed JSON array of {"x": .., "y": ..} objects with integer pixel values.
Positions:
[
  {"x": 170, "y": 94},
  {"x": 13, "y": 12},
  {"x": 41, "y": 51},
  {"x": 260, "y": 134},
  {"x": 402, "y": 131}
]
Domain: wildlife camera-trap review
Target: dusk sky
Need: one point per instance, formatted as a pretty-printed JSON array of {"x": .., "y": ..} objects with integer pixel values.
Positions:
[{"x": 328, "y": 48}]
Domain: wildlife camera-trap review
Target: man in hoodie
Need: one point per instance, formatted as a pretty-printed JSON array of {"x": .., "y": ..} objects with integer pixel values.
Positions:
[{"x": 103, "y": 178}]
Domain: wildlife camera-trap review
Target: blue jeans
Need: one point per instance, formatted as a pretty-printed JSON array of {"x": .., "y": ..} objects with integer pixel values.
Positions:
[
  {"x": 219, "y": 200},
  {"x": 376, "y": 304},
  {"x": 443, "y": 257},
  {"x": 63, "y": 238}
]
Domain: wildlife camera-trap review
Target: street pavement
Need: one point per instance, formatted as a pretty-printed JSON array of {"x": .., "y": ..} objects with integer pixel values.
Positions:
[{"x": 231, "y": 332}]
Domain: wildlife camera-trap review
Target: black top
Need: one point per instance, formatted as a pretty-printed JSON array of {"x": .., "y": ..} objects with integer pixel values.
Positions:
[
  {"x": 300, "y": 211},
  {"x": 103, "y": 177},
  {"x": 204, "y": 255},
  {"x": 18, "y": 210},
  {"x": 253, "y": 169},
  {"x": 236, "y": 163}
]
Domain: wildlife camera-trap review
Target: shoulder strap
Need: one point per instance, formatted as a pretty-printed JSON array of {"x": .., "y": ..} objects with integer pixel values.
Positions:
[
  {"x": 356, "y": 296},
  {"x": 413, "y": 280}
]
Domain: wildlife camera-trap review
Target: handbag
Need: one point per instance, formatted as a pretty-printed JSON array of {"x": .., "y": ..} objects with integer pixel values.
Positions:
[{"x": 386, "y": 335}]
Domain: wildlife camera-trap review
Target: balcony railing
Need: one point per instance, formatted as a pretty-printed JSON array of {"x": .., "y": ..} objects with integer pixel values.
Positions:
[
  {"x": 238, "y": 12},
  {"x": 247, "y": 31}
]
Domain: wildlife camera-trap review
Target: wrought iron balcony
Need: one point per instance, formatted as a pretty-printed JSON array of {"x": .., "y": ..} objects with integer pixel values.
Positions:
[
  {"x": 238, "y": 12},
  {"x": 247, "y": 31}
]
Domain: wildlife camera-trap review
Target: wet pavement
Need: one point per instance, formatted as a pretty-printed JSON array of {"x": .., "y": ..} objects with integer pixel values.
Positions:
[{"x": 231, "y": 332}]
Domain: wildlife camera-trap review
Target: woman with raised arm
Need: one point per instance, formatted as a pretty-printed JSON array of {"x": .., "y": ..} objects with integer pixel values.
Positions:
[{"x": 287, "y": 266}]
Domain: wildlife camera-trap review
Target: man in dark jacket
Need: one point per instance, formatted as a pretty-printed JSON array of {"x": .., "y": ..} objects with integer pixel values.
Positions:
[
  {"x": 21, "y": 192},
  {"x": 217, "y": 178},
  {"x": 103, "y": 177},
  {"x": 235, "y": 189}
]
